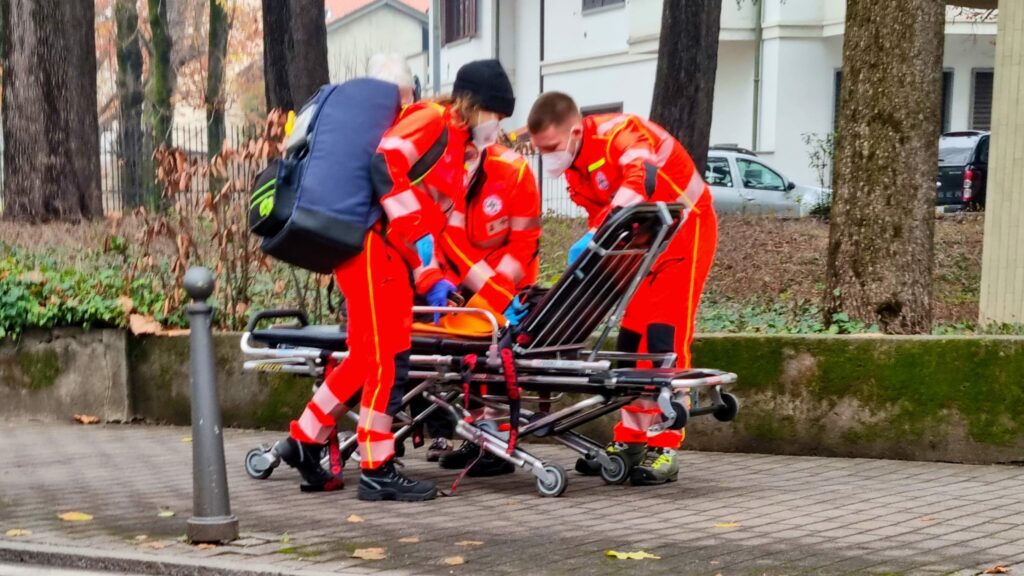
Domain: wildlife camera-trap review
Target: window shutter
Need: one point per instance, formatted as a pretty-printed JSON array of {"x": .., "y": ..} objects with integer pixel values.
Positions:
[{"x": 981, "y": 112}]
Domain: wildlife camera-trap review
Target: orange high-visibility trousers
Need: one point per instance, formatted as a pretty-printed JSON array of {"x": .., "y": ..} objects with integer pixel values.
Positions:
[
  {"x": 662, "y": 315},
  {"x": 378, "y": 299}
]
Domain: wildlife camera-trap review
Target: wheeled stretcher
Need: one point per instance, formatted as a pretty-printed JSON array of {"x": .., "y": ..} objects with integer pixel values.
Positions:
[{"x": 527, "y": 371}]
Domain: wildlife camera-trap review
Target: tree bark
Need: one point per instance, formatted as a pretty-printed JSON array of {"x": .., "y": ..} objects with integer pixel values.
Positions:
[
  {"x": 50, "y": 123},
  {"x": 882, "y": 226},
  {"x": 220, "y": 27},
  {"x": 130, "y": 96},
  {"x": 161, "y": 74},
  {"x": 684, "y": 85},
  {"x": 294, "y": 51},
  {"x": 276, "y": 30},
  {"x": 307, "y": 49}
]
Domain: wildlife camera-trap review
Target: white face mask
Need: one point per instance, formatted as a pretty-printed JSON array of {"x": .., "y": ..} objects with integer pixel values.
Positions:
[
  {"x": 556, "y": 163},
  {"x": 485, "y": 133}
]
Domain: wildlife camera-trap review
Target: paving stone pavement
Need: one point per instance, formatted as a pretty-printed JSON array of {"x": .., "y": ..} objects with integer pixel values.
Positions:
[{"x": 730, "y": 514}]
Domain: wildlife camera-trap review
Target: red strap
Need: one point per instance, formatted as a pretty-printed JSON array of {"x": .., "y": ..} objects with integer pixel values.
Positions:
[
  {"x": 511, "y": 383},
  {"x": 335, "y": 453}
]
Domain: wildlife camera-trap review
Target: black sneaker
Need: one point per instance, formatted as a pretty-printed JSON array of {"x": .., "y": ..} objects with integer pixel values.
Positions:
[
  {"x": 438, "y": 448},
  {"x": 387, "y": 483},
  {"x": 490, "y": 465},
  {"x": 306, "y": 459},
  {"x": 460, "y": 458}
]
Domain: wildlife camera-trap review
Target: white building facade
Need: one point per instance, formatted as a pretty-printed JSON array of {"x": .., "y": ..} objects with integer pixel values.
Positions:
[
  {"x": 381, "y": 26},
  {"x": 604, "y": 54}
]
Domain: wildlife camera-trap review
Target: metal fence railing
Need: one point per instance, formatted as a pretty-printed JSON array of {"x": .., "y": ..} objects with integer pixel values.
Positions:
[{"x": 127, "y": 169}]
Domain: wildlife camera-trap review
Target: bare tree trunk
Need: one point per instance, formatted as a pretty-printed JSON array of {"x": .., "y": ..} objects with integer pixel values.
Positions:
[
  {"x": 294, "y": 51},
  {"x": 684, "y": 86},
  {"x": 130, "y": 95},
  {"x": 220, "y": 27},
  {"x": 307, "y": 49},
  {"x": 161, "y": 74},
  {"x": 51, "y": 128},
  {"x": 276, "y": 31},
  {"x": 880, "y": 241}
]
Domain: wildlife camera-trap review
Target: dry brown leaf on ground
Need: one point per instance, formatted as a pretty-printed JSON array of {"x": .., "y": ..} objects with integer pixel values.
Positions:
[
  {"x": 141, "y": 538},
  {"x": 154, "y": 545},
  {"x": 17, "y": 533},
  {"x": 355, "y": 518},
  {"x": 205, "y": 546},
  {"x": 727, "y": 525},
  {"x": 410, "y": 540},
  {"x": 370, "y": 553},
  {"x": 74, "y": 517},
  {"x": 126, "y": 304},
  {"x": 86, "y": 419},
  {"x": 469, "y": 543},
  {"x": 454, "y": 560},
  {"x": 997, "y": 570},
  {"x": 165, "y": 514},
  {"x": 140, "y": 324}
]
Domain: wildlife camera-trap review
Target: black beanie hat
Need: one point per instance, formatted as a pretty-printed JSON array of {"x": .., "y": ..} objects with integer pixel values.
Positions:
[{"x": 486, "y": 83}]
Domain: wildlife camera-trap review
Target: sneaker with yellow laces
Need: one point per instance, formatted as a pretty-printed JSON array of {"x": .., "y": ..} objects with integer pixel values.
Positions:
[{"x": 659, "y": 466}]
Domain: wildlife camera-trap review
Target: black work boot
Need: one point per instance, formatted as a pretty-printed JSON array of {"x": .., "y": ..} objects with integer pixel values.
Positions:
[
  {"x": 459, "y": 458},
  {"x": 387, "y": 483},
  {"x": 306, "y": 459},
  {"x": 490, "y": 465}
]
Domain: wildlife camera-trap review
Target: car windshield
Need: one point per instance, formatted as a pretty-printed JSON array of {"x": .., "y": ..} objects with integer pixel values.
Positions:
[{"x": 956, "y": 150}]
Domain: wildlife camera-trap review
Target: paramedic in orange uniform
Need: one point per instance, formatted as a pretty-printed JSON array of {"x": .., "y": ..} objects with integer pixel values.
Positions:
[
  {"x": 616, "y": 160},
  {"x": 491, "y": 244},
  {"x": 418, "y": 173}
]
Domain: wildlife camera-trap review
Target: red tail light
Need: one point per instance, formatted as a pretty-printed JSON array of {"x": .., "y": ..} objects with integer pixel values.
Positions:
[{"x": 968, "y": 184}]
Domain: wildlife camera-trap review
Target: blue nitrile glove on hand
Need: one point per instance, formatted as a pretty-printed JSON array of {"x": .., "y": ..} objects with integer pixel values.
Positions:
[
  {"x": 579, "y": 247},
  {"x": 425, "y": 249},
  {"x": 438, "y": 296},
  {"x": 515, "y": 312}
]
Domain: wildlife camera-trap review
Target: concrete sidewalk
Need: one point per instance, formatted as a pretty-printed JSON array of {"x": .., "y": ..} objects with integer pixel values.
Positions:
[{"x": 729, "y": 514}]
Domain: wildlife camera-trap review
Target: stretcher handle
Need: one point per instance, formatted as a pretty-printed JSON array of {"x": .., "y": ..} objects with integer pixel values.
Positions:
[{"x": 272, "y": 314}]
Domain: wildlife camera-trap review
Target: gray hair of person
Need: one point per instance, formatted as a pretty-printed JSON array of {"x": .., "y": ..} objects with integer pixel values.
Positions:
[{"x": 391, "y": 68}]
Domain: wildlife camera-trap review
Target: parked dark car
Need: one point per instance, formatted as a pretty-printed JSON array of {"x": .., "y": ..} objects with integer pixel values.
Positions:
[{"x": 963, "y": 171}]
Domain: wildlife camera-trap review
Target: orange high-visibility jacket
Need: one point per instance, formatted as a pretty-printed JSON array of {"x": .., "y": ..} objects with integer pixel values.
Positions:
[
  {"x": 625, "y": 160},
  {"x": 427, "y": 142},
  {"x": 493, "y": 236}
]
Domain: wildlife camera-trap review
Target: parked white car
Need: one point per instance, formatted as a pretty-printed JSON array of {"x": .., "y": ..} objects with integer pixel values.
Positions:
[{"x": 745, "y": 184}]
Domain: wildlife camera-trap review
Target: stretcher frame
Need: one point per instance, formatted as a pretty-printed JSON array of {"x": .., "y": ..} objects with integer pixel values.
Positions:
[{"x": 550, "y": 356}]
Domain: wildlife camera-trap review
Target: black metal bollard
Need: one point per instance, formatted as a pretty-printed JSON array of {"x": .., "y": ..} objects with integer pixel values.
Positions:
[{"x": 211, "y": 519}]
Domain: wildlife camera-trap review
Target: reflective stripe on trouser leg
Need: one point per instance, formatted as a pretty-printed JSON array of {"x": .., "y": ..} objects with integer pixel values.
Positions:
[
  {"x": 635, "y": 420},
  {"x": 376, "y": 442}
]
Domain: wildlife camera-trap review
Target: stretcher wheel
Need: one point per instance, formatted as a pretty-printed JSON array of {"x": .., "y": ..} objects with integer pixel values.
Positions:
[
  {"x": 556, "y": 487},
  {"x": 682, "y": 415},
  {"x": 729, "y": 408},
  {"x": 617, "y": 472},
  {"x": 256, "y": 465}
]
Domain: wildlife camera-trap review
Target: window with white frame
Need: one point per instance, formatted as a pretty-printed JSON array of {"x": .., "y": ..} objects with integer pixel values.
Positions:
[
  {"x": 458, "y": 20},
  {"x": 589, "y": 5}
]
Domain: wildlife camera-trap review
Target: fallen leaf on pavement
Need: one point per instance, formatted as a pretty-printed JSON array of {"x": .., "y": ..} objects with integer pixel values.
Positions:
[
  {"x": 141, "y": 538},
  {"x": 86, "y": 419},
  {"x": 355, "y": 518},
  {"x": 17, "y": 533},
  {"x": 205, "y": 546},
  {"x": 469, "y": 543},
  {"x": 74, "y": 517},
  {"x": 640, "y": 555},
  {"x": 410, "y": 540},
  {"x": 370, "y": 553},
  {"x": 154, "y": 545},
  {"x": 714, "y": 562},
  {"x": 727, "y": 525},
  {"x": 454, "y": 560},
  {"x": 997, "y": 570},
  {"x": 286, "y": 538},
  {"x": 186, "y": 439},
  {"x": 165, "y": 514},
  {"x": 927, "y": 519}
]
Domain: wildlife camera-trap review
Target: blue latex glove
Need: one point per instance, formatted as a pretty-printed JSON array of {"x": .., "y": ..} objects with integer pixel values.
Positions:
[
  {"x": 515, "y": 312},
  {"x": 579, "y": 247},
  {"x": 438, "y": 296},
  {"x": 425, "y": 249}
]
